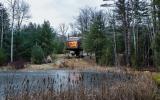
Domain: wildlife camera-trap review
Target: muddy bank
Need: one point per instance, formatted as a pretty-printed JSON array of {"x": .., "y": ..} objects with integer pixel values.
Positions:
[
  {"x": 61, "y": 62},
  {"x": 114, "y": 81}
]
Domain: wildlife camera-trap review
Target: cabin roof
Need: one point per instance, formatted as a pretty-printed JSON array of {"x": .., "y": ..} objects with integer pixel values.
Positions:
[{"x": 74, "y": 39}]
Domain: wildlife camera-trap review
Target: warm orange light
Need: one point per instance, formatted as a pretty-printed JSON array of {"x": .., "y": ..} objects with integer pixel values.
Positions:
[{"x": 72, "y": 44}]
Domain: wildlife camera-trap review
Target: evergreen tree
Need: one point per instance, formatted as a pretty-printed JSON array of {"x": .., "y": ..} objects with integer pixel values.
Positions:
[
  {"x": 4, "y": 30},
  {"x": 123, "y": 16},
  {"x": 96, "y": 37},
  {"x": 46, "y": 38},
  {"x": 157, "y": 50}
]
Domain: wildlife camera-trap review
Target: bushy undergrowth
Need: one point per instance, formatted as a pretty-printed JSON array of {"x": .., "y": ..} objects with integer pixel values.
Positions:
[
  {"x": 156, "y": 78},
  {"x": 3, "y": 56},
  {"x": 37, "y": 55}
]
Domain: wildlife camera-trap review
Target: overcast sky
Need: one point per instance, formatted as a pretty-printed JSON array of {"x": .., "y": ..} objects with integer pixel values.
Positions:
[{"x": 58, "y": 11}]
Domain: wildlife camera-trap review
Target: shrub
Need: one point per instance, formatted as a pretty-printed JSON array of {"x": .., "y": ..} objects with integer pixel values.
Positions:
[
  {"x": 59, "y": 46},
  {"x": 107, "y": 57},
  {"x": 19, "y": 64},
  {"x": 3, "y": 56},
  {"x": 156, "y": 78},
  {"x": 37, "y": 55},
  {"x": 156, "y": 47}
]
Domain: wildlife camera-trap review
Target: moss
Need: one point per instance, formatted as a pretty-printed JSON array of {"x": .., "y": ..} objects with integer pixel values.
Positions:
[{"x": 156, "y": 78}]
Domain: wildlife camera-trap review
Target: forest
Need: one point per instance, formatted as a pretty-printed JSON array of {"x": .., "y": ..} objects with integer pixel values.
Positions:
[
  {"x": 122, "y": 33},
  {"x": 109, "y": 50}
]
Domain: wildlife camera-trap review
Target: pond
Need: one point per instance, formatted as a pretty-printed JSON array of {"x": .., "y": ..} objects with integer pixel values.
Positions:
[{"x": 13, "y": 84}]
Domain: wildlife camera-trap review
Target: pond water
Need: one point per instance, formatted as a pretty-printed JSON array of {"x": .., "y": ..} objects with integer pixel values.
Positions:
[{"x": 58, "y": 80}]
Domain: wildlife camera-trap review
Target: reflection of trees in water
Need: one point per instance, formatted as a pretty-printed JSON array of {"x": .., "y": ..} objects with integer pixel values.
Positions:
[
  {"x": 74, "y": 77},
  {"x": 65, "y": 81}
]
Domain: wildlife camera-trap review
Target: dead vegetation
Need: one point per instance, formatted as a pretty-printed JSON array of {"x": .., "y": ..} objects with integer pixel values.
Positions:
[
  {"x": 77, "y": 63},
  {"x": 119, "y": 86},
  {"x": 131, "y": 84}
]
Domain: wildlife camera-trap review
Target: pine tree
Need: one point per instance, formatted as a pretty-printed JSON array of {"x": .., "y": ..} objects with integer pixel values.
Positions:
[
  {"x": 4, "y": 31},
  {"x": 123, "y": 15},
  {"x": 96, "y": 36},
  {"x": 4, "y": 24},
  {"x": 46, "y": 38}
]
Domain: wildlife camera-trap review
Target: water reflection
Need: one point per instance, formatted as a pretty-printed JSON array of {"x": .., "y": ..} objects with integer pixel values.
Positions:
[{"x": 56, "y": 80}]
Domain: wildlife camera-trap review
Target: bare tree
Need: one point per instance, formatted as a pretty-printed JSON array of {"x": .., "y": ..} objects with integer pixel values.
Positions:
[
  {"x": 74, "y": 30},
  {"x": 22, "y": 12},
  {"x": 19, "y": 11},
  {"x": 63, "y": 29},
  {"x": 84, "y": 19},
  {"x": 2, "y": 20},
  {"x": 12, "y": 7}
]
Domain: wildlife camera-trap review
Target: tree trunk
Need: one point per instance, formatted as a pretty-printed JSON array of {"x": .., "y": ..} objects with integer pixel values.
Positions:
[
  {"x": 115, "y": 45},
  {"x": 128, "y": 36},
  {"x": 2, "y": 30},
  {"x": 12, "y": 32}
]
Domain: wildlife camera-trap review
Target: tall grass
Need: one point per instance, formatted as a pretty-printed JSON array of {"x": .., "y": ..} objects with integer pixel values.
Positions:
[{"x": 116, "y": 86}]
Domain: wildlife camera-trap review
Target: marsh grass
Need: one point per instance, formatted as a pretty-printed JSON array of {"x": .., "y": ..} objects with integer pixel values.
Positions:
[{"x": 118, "y": 86}]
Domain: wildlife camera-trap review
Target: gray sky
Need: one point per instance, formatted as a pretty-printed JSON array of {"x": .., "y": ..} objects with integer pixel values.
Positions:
[{"x": 58, "y": 11}]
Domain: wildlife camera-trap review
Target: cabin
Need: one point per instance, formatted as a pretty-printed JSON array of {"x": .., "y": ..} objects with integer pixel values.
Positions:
[{"x": 74, "y": 45}]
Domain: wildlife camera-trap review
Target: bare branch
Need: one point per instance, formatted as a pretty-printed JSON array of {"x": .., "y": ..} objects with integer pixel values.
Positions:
[{"x": 63, "y": 29}]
